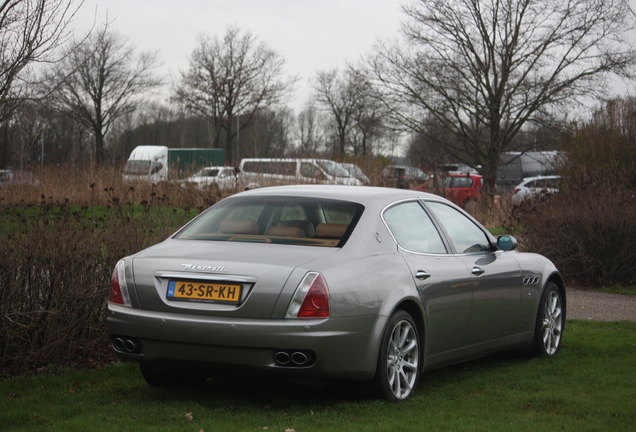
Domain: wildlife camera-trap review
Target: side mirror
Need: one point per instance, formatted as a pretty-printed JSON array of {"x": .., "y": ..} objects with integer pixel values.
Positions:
[{"x": 506, "y": 243}]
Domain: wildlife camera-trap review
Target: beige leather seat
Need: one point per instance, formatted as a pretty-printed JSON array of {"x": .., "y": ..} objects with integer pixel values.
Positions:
[
  {"x": 305, "y": 225},
  {"x": 330, "y": 231}
]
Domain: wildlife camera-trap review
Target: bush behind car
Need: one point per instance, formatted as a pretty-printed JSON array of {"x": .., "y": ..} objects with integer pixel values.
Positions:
[
  {"x": 55, "y": 268},
  {"x": 587, "y": 230}
]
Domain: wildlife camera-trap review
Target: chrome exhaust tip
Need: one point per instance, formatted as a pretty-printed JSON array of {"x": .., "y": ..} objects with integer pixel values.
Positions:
[
  {"x": 118, "y": 344},
  {"x": 299, "y": 358},
  {"x": 130, "y": 345},
  {"x": 282, "y": 358}
]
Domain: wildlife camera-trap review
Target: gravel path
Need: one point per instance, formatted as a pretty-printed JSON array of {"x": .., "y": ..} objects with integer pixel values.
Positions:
[{"x": 596, "y": 306}]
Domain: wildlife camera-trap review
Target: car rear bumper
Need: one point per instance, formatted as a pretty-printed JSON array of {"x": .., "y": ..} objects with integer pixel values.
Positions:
[{"x": 338, "y": 348}]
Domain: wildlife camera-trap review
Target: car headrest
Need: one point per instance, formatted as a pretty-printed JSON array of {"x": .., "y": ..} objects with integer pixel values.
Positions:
[
  {"x": 331, "y": 231},
  {"x": 305, "y": 225},
  {"x": 286, "y": 232}
]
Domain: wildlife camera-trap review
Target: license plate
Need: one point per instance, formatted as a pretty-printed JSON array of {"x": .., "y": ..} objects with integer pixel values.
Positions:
[{"x": 203, "y": 292}]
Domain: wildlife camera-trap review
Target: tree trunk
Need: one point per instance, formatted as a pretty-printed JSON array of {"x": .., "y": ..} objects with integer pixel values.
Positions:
[
  {"x": 229, "y": 154},
  {"x": 99, "y": 146}
]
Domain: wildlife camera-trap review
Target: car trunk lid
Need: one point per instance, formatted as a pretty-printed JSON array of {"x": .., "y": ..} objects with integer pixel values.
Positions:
[{"x": 217, "y": 278}]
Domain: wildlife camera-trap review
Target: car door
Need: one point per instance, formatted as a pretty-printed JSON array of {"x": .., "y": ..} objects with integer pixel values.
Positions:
[
  {"x": 496, "y": 276},
  {"x": 443, "y": 281}
]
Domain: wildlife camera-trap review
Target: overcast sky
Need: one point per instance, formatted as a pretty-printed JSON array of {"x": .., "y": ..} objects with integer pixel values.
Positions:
[{"x": 311, "y": 35}]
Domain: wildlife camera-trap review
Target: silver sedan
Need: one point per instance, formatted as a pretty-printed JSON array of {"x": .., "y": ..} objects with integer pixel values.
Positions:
[{"x": 331, "y": 282}]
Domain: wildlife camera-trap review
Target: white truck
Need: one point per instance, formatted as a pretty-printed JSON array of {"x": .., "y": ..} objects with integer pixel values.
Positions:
[{"x": 155, "y": 164}]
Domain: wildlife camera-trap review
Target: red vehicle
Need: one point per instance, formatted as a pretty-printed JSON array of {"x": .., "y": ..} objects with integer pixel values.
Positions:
[{"x": 462, "y": 189}]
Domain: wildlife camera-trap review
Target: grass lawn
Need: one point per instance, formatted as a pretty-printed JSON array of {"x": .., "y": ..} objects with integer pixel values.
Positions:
[{"x": 589, "y": 386}]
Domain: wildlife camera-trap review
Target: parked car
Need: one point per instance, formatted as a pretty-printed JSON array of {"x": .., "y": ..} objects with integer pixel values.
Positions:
[
  {"x": 257, "y": 172},
  {"x": 535, "y": 186},
  {"x": 18, "y": 178},
  {"x": 403, "y": 177},
  {"x": 215, "y": 179},
  {"x": 462, "y": 189},
  {"x": 321, "y": 281},
  {"x": 355, "y": 171}
]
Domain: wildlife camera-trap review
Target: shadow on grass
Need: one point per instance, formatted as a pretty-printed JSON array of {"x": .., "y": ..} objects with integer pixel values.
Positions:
[{"x": 270, "y": 393}]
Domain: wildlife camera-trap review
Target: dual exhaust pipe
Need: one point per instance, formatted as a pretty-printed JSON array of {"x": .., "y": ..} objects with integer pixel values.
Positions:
[
  {"x": 126, "y": 344},
  {"x": 282, "y": 358},
  {"x": 294, "y": 358}
]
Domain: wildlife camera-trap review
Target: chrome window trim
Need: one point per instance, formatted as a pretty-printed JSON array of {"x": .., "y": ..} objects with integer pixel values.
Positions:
[{"x": 441, "y": 233}]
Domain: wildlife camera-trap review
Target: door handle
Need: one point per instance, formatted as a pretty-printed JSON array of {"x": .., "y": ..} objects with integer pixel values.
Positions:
[
  {"x": 421, "y": 275},
  {"x": 477, "y": 271}
]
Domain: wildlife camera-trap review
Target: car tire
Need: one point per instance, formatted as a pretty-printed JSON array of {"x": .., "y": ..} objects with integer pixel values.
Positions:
[
  {"x": 167, "y": 378},
  {"x": 550, "y": 322},
  {"x": 398, "y": 366}
]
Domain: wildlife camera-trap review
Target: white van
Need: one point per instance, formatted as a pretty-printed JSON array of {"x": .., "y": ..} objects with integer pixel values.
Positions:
[{"x": 255, "y": 173}]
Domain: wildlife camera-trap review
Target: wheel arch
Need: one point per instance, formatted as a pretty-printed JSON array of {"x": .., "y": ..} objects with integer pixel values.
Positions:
[{"x": 412, "y": 308}]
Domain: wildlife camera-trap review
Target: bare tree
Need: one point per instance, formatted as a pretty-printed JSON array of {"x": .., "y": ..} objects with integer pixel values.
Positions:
[
  {"x": 348, "y": 98},
  {"x": 101, "y": 80},
  {"x": 369, "y": 120},
  {"x": 269, "y": 134},
  {"x": 30, "y": 32},
  {"x": 338, "y": 95},
  {"x": 482, "y": 69},
  {"x": 310, "y": 130},
  {"x": 231, "y": 79}
]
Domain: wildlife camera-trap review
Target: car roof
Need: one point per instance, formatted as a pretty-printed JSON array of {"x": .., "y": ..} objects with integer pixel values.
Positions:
[
  {"x": 458, "y": 174},
  {"x": 529, "y": 179},
  {"x": 361, "y": 194}
]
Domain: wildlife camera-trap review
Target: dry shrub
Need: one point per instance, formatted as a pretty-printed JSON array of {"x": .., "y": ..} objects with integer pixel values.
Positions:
[
  {"x": 56, "y": 261},
  {"x": 94, "y": 187},
  {"x": 588, "y": 228},
  {"x": 587, "y": 231},
  {"x": 492, "y": 215}
]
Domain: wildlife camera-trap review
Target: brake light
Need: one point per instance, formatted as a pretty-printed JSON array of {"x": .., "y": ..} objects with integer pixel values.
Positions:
[
  {"x": 311, "y": 299},
  {"x": 118, "y": 287},
  {"x": 515, "y": 191}
]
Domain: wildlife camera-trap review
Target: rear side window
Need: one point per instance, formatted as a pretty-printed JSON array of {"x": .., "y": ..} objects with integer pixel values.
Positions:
[
  {"x": 309, "y": 170},
  {"x": 271, "y": 167},
  {"x": 413, "y": 229}
]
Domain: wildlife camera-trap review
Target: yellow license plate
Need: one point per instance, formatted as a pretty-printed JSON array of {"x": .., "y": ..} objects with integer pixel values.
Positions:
[{"x": 203, "y": 292}]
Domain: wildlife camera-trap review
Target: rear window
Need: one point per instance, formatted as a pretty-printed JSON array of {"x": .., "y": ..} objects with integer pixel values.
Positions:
[
  {"x": 206, "y": 172},
  {"x": 461, "y": 182},
  {"x": 280, "y": 220}
]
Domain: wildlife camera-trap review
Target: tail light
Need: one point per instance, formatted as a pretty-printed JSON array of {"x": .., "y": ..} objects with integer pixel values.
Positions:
[
  {"x": 118, "y": 287},
  {"x": 311, "y": 299},
  {"x": 515, "y": 191}
]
